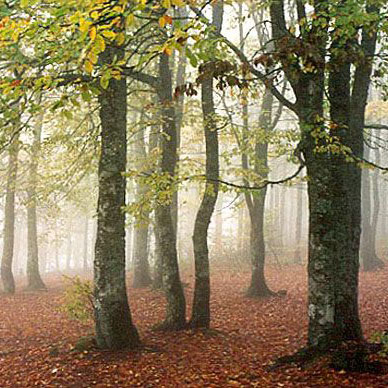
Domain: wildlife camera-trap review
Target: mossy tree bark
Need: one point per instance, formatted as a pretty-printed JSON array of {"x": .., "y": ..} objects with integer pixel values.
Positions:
[
  {"x": 113, "y": 322},
  {"x": 176, "y": 305},
  {"x": 34, "y": 280},
  {"x": 9, "y": 219},
  {"x": 334, "y": 184}
]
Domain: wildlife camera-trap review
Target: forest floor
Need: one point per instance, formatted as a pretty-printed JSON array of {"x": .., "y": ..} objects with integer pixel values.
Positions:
[{"x": 36, "y": 339}]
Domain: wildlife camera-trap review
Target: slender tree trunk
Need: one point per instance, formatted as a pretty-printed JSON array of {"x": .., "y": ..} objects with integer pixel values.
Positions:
[
  {"x": 218, "y": 222},
  {"x": 69, "y": 248},
  {"x": 176, "y": 304},
  {"x": 113, "y": 321},
  {"x": 85, "y": 247},
  {"x": 299, "y": 225},
  {"x": 157, "y": 281},
  {"x": 369, "y": 258},
  {"x": 142, "y": 277},
  {"x": 128, "y": 249},
  {"x": 200, "y": 316},
  {"x": 9, "y": 220},
  {"x": 256, "y": 207},
  {"x": 34, "y": 280}
]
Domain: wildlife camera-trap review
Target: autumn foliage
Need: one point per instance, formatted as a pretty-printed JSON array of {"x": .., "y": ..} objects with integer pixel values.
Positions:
[{"x": 37, "y": 340}]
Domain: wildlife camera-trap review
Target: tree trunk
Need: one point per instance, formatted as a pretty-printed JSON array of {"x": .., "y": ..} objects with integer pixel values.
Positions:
[
  {"x": 256, "y": 207},
  {"x": 69, "y": 248},
  {"x": 142, "y": 277},
  {"x": 34, "y": 280},
  {"x": 9, "y": 219},
  {"x": 200, "y": 316},
  {"x": 370, "y": 260},
  {"x": 176, "y": 304},
  {"x": 113, "y": 321},
  {"x": 85, "y": 247},
  {"x": 218, "y": 226},
  {"x": 299, "y": 224}
]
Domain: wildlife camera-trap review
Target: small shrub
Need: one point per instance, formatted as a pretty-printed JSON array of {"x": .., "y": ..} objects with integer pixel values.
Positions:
[
  {"x": 78, "y": 301},
  {"x": 381, "y": 337}
]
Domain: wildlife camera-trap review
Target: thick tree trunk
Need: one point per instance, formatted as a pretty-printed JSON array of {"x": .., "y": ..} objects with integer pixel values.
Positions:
[
  {"x": 176, "y": 304},
  {"x": 113, "y": 322},
  {"x": 200, "y": 316},
  {"x": 34, "y": 280},
  {"x": 9, "y": 220}
]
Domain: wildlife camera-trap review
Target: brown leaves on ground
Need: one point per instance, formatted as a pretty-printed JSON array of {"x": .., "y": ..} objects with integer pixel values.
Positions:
[{"x": 36, "y": 339}]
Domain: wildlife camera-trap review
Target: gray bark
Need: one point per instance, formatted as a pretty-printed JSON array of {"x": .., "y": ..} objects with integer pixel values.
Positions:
[
  {"x": 334, "y": 185},
  {"x": 85, "y": 247},
  {"x": 176, "y": 305},
  {"x": 142, "y": 277},
  {"x": 368, "y": 254},
  {"x": 256, "y": 206},
  {"x": 34, "y": 280},
  {"x": 9, "y": 219},
  {"x": 113, "y": 321}
]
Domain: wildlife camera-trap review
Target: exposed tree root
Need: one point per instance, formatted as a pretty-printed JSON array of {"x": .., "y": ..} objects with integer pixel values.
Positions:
[
  {"x": 348, "y": 356},
  {"x": 170, "y": 326}
]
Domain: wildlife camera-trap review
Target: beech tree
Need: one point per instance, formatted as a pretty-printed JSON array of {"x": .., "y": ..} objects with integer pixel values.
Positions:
[{"x": 330, "y": 148}]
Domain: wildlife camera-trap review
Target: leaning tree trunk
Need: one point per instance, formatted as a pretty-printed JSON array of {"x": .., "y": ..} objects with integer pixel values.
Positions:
[
  {"x": 176, "y": 305},
  {"x": 200, "y": 316},
  {"x": 9, "y": 220},
  {"x": 113, "y": 322},
  {"x": 34, "y": 280}
]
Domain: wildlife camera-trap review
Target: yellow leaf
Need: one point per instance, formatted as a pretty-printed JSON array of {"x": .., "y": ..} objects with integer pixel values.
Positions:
[
  {"x": 84, "y": 25},
  {"x": 166, "y": 3},
  {"x": 108, "y": 34},
  {"x": 93, "y": 33},
  {"x": 88, "y": 66},
  {"x": 162, "y": 22},
  {"x": 178, "y": 3},
  {"x": 120, "y": 38},
  {"x": 94, "y": 15},
  {"x": 99, "y": 44},
  {"x": 92, "y": 57},
  {"x": 130, "y": 19}
]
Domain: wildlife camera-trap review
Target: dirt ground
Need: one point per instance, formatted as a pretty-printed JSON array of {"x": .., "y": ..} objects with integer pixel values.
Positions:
[{"x": 36, "y": 339}]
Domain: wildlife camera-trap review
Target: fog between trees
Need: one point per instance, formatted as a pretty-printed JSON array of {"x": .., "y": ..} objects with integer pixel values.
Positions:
[{"x": 181, "y": 137}]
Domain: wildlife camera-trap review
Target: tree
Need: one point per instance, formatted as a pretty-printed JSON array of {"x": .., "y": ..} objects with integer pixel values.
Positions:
[
  {"x": 333, "y": 182},
  {"x": 34, "y": 280},
  {"x": 9, "y": 217},
  {"x": 114, "y": 327}
]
